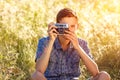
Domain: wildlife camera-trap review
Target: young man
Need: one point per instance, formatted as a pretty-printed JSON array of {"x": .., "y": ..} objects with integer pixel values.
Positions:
[{"x": 58, "y": 55}]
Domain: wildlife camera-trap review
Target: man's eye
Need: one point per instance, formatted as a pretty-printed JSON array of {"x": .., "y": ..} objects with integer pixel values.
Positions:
[{"x": 72, "y": 25}]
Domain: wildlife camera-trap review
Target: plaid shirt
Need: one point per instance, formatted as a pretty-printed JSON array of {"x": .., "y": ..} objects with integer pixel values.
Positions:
[{"x": 63, "y": 65}]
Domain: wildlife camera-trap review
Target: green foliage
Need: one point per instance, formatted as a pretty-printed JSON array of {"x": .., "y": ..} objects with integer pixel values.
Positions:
[
  {"x": 109, "y": 61},
  {"x": 23, "y": 22}
]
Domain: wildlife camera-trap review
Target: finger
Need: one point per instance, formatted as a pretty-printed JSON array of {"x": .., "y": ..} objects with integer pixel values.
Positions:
[
  {"x": 51, "y": 28},
  {"x": 69, "y": 32},
  {"x": 53, "y": 31},
  {"x": 55, "y": 34},
  {"x": 52, "y": 23},
  {"x": 70, "y": 37}
]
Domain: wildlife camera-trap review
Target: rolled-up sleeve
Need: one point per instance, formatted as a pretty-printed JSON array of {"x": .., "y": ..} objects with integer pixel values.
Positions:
[
  {"x": 40, "y": 47},
  {"x": 85, "y": 47}
]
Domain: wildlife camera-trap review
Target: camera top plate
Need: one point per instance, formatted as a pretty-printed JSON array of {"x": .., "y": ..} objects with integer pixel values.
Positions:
[{"x": 61, "y": 25}]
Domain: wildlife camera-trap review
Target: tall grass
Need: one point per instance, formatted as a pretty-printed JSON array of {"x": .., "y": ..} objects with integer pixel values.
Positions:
[{"x": 23, "y": 22}]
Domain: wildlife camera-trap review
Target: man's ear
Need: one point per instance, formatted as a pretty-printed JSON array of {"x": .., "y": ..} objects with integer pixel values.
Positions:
[{"x": 77, "y": 26}]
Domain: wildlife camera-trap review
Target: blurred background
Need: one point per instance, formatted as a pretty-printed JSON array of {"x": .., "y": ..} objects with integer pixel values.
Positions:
[{"x": 23, "y": 22}]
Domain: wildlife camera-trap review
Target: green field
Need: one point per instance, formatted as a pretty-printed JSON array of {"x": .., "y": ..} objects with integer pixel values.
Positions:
[{"x": 23, "y": 22}]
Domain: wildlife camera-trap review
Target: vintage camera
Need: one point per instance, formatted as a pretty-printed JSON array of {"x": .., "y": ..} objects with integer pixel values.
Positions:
[{"x": 61, "y": 27}]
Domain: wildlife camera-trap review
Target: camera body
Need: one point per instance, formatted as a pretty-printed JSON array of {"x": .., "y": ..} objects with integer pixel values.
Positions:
[{"x": 61, "y": 28}]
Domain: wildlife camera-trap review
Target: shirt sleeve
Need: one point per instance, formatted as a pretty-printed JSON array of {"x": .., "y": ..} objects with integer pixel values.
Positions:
[
  {"x": 40, "y": 48},
  {"x": 84, "y": 46}
]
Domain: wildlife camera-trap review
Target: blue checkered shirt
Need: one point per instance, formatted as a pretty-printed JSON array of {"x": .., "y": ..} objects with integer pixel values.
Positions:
[{"x": 63, "y": 65}]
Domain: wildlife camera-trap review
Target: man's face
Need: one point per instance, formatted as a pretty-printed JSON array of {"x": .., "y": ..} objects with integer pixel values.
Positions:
[{"x": 72, "y": 23}]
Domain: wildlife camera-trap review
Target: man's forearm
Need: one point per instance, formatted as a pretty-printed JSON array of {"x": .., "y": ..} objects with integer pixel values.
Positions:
[
  {"x": 90, "y": 64},
  {"x": 42, "y": 62}
]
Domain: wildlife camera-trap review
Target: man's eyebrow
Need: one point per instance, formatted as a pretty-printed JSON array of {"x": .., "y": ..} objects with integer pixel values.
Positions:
[{"x": 74, "y": 25}]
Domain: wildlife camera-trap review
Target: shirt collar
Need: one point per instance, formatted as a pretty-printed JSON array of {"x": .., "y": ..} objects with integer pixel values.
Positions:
[{"x": 58, "y": 46}]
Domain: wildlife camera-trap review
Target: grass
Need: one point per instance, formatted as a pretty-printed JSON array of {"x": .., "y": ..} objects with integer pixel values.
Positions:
[{"x": 23, "y": 22}]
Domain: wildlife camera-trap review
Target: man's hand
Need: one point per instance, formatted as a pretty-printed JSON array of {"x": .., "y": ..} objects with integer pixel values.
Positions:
[
  {"x": 90, "y": 64},
  {"x": 52, "y": 31},
  {"x": 73, "y": 38}
]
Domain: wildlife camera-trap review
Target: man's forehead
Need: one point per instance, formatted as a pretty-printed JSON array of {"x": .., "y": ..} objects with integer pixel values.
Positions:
[{"x": 69, "y": 20}]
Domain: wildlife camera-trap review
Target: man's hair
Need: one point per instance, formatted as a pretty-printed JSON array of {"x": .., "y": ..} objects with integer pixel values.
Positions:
[{"x": 66, "y": 12}]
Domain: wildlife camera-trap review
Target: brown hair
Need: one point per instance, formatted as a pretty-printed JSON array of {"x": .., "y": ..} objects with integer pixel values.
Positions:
[{"x": 66, "y": 12}]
